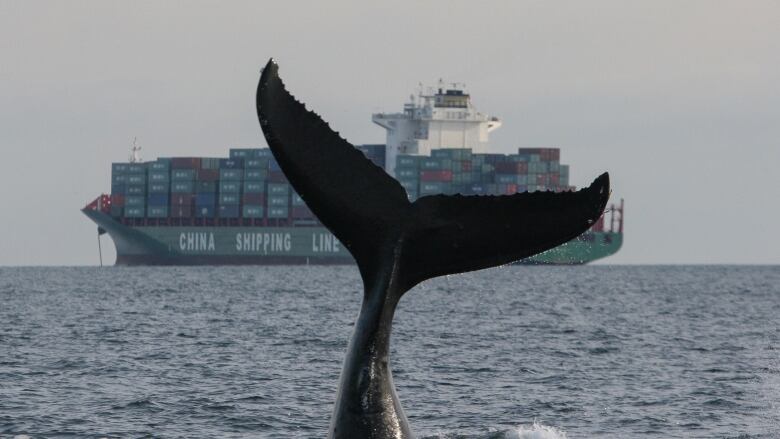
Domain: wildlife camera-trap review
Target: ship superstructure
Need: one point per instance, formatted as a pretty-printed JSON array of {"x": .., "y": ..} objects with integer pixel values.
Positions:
[{"x": 444, "y": 118}]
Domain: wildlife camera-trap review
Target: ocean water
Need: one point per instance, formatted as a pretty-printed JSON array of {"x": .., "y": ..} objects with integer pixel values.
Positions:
[{"x": 512, "y": 352}]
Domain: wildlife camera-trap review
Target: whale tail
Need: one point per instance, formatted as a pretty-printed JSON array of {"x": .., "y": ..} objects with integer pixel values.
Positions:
[{"x": 369, "y": 212}]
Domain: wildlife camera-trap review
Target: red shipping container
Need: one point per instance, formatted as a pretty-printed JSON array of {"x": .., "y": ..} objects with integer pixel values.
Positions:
[
  {"x": 276, "y": 177},
  {"x": 511, "y": 189},
  {"x": 555, "y": 179},
  {"x": 118, "y": 200},
  {"x": 181, "y": 199},
  {"x": 598, "y": 226},
  {"x": 207, "y": 175},
  {"x": 511, "y": 168},
  {"x": 445, "y": 175},
  {"x": 185, "y": 162},
  {"x": 254, "y": 199}
]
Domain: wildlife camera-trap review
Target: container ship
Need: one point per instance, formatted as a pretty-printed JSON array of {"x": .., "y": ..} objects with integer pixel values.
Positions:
[{"x": 240, "y": 209}]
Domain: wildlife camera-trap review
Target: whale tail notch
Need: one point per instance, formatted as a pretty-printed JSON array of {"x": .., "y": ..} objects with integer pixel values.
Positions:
[{"x": 369, "y": 212}]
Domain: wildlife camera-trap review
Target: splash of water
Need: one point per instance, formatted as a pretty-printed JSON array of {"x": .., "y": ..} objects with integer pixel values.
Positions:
[{"x": 535, "y": 431}]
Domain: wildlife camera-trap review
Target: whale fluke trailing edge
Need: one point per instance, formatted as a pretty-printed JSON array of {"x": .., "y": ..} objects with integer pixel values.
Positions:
[{"x": 398, "y": 244}]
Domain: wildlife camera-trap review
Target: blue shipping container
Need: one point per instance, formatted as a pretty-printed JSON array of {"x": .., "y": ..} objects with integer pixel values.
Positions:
[
  {"x": 228, "y": 211},
  {"x": 205, "y": 211},
  {"x": 206, "y": 186},
  {"x": 158, "y": 200},
  {"x": 206, "y": 198}
]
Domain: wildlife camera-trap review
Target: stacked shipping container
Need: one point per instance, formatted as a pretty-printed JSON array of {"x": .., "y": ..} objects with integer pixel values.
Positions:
[
  {"x": 250, "y": 185},
  {"x": 450, "y": 171}
]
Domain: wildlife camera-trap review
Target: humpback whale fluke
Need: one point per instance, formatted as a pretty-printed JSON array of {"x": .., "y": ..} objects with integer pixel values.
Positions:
[{"x": 398, "y": 244}]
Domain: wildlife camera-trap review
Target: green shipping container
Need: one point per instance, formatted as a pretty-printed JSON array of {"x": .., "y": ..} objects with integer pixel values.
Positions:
[
  {"x": 407, "y": 161},
  {"x": 278, "y": 188},
  {"x": 430, "y": 163},
  {"x": 135, "y": 201},
  {"x": 159, "y": 188},
  {"x": 229, "y": 198},
  {"x": 278, "y": 212},
  {"x": 255, "y": 174},
  {"x": 231, "y": 174},
  {"x": 119, "y": 168},
  {"x": 409, "y": 185},
  {"x": 254, "y": 187},
  {"x": 157, "y": 211},
  {"x": 135, "y": 179},
  {"x": 160, "y": 165},
  {"x": 253, "y": 211},
  {"x": 135, "y": 189},
  {"x": 136, "y": 168},
  {"x": 206, "y": 187},
  {"x": 434, "y": 187},
  {"x": 278, "y": 201},
  {"x": 229, "y": 187},
  {"x": 159, "y": 177},
  {"x": 134, "y": 212},
  {"x": 183, "y": 186},
  {"x": 407, "y": 173},
  {"x": 256, "y": 163},
  {"x": 297, "y": 200},
  {"x": 183, "y": 175}
]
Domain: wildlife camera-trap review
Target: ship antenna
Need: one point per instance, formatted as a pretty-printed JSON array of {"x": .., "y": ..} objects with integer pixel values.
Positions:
[{"x": 134, "y": 156}]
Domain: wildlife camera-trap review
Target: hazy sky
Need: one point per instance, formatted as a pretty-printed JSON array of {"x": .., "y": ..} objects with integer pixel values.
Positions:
[{"x": 679, "y": 101}]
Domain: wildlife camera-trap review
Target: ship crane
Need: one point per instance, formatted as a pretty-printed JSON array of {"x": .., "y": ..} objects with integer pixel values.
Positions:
[{"x": 135, "y": 157}]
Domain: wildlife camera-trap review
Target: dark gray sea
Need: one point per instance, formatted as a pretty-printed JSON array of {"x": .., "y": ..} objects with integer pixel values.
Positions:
[{"x": 513, "y": 352}]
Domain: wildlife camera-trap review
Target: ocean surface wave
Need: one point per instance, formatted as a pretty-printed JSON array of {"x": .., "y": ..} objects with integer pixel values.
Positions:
[{"x": 513, "y": 352}]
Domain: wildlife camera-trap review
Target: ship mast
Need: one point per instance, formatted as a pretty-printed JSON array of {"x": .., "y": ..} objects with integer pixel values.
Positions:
[{"x": 135, "y": 157}]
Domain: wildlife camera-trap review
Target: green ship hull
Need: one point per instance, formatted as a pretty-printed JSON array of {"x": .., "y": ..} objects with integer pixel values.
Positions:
[
  {"x": 588, "y": 247},
  {"x": 246, "y": 245}
]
